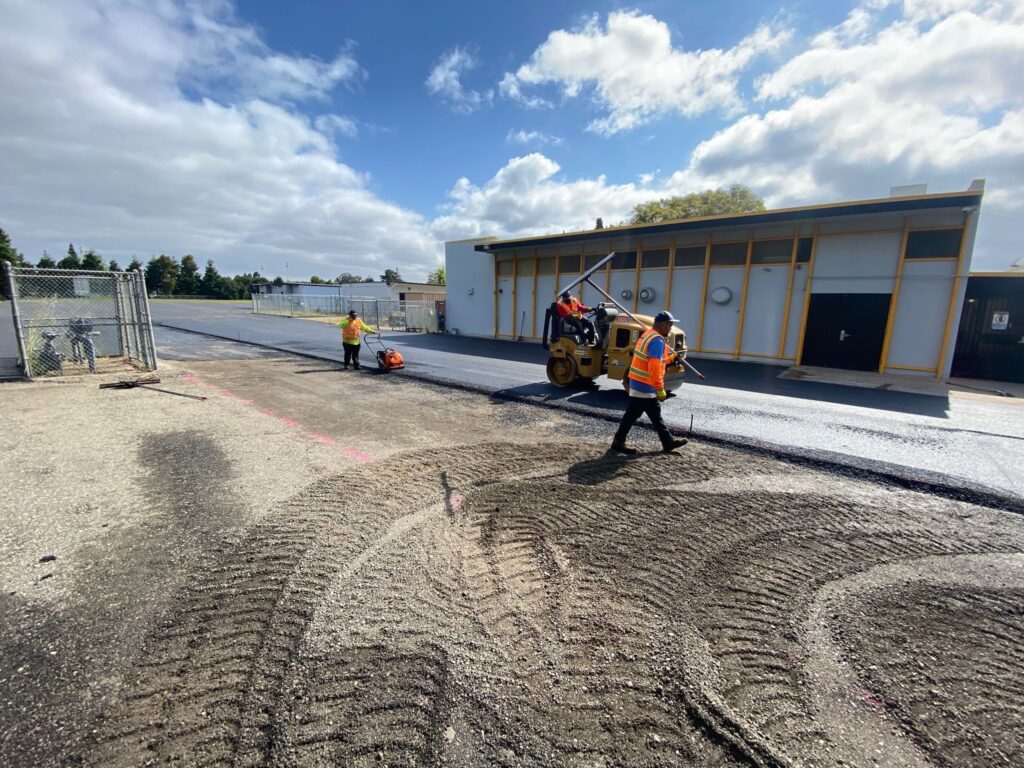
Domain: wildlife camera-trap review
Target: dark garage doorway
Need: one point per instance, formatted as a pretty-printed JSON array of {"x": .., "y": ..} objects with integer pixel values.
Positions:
[
  {"x": 846, "y": 330},
  {"x": 990, "y": 344}
]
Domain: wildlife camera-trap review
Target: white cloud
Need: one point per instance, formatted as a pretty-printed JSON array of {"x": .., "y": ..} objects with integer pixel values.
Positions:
[
  {"x": 931, "y": 94},
  {"x": 108, "y": 140},
  {"x": 637, "y": 73},
  {"x": 445, "y": 81},
  {"x": 525, "y": 197},
  {"x": 339, "y": 124},
  {"x": 522, "y": 136}
]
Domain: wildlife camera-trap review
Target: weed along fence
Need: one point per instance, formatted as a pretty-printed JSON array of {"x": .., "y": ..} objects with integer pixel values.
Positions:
[
  {"x": 78, "y": 321},
  {"x": 387, "y": 314}
]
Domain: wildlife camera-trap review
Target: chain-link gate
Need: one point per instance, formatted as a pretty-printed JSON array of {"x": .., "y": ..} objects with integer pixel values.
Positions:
[
  {"x": 78, "y": 321},
  {"x": 384, "y": 314}
]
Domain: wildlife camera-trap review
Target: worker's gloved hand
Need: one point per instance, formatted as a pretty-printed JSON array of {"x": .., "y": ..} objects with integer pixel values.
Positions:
[{"x": 662, "y": 394}]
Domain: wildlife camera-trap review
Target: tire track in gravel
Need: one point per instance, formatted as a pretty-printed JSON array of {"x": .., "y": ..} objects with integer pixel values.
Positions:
[{"x": 508, "y": 609}]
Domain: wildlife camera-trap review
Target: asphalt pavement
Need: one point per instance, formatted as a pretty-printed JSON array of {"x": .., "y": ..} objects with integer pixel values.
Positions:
[{"x": 973, "y": 441}]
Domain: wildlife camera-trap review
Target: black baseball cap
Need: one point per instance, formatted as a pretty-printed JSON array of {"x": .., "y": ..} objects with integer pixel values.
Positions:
[{"x": 665, "y": 317}]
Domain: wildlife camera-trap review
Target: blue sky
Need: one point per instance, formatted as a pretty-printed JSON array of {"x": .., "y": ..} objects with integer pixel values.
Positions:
[{"x": 342, "y": 136}]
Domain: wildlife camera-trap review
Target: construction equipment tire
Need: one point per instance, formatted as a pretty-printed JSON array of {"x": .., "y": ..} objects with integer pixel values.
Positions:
[{"x": 562, "y": 371}]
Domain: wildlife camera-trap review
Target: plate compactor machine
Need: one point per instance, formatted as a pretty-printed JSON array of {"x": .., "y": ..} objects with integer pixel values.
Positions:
[{"x": 575, "y": 359}]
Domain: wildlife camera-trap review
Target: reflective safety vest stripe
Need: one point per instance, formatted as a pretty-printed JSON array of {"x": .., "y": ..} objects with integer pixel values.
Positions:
[{"x": 644, "y": 368}]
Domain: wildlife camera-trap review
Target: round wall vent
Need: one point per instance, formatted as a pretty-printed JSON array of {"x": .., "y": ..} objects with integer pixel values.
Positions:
[
  {"x": 647, "y": 295},
  {"x": 721, "y": 295},
  {"x": 625, "y": 294}
]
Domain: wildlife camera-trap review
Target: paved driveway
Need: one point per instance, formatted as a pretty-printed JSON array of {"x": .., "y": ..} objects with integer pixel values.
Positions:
[{"x": 977, "y": 439}]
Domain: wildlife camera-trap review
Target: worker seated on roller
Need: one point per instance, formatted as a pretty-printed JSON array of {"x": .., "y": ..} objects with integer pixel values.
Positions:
[{"x": 571, "y": 311}]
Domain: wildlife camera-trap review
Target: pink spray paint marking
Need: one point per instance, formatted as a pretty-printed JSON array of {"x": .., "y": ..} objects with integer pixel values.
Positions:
[
  {"x": 456, "y": 501},
  {"x": 358, "y": 455},
  {"x": 323, "y": 438}
]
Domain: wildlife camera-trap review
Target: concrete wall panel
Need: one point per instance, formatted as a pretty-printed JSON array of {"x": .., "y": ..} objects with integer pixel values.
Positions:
[
  {"x": 857, "y": 263},
  {"x": 472, "y": 314},
  {"x": 921, "y": 313},
  {"x": 687, "y": 285},
  {"x": 766, "y": 305},
  {"x": 720, "y": 320}
]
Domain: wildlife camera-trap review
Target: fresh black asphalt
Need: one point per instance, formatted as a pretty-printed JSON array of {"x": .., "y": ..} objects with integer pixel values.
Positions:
[{"x": 956, "y": 441}]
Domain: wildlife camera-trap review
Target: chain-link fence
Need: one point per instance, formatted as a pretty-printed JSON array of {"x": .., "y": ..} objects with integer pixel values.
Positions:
[
  {"x": 385, "y": 314},
  {"x": 77, "y": 321}
]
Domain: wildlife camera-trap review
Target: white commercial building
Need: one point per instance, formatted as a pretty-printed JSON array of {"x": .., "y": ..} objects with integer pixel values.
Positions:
[{"x": 864, "y": 285}]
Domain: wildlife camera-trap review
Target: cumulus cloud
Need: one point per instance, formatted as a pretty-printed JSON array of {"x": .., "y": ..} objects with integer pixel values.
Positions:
[
  {"x": 926, "y": 90},
  {"x": 445, "y": 81},
  {"x": 636, "y": 72},
  {"x": 522, "y": 136},
  {"x": 172, "y": 130}
]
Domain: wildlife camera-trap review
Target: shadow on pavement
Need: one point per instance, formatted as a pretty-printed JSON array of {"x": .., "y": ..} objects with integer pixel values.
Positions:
[{"x": 599, "y": 470}]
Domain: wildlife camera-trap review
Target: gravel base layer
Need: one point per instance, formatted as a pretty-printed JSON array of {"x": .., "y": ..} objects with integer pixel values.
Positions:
[{"x": 316, "y": 567}]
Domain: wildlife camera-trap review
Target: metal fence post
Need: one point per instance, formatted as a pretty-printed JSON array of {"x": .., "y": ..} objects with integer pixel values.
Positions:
[
  {"x": 12, "y": 293},
  {"x": 148, "y": 320}
]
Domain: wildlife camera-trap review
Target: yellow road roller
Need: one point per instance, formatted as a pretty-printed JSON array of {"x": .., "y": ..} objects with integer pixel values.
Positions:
[{"x": 576, "y": 356}]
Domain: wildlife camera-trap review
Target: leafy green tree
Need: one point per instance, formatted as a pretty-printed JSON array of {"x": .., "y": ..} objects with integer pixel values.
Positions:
[
  {"x": 278, "y": 280},
  {"x": 113, "y": 266},
  {"x": 135, "y": 265},
  {"x": 369, "y": 279},
  {"x": 91, "y": 260},
  {"x": 71, "y": 261},
  {"x": 188, "y": 276},
  {"x": 391, "y": 276},
  {"x": 437, "y": 277},
  {"x": 599, "y": 224},
  {"x": 711, "y": 202},
  {"x": 45, "y": 262},
  {"x": 161, "y": 274},
  {"x": 347, "y": 277},
  {"x": 9, "y": 253},
  {"x": 317, "y": 279}
]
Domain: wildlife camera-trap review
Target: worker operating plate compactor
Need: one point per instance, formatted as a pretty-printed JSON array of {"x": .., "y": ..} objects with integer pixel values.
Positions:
[{"x": 580, "y": 351}]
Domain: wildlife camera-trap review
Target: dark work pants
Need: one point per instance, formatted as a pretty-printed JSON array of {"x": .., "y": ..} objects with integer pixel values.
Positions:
[
  {"x": 352, "y": 353},
  {"x": 636, "y": 408}
]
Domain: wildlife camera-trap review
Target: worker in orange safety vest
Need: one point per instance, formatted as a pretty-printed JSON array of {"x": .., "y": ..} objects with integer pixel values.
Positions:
[
  {"x": 647, "y": 385},
  {"x": 571, "y": 310},
  {"x": 351, "y": 328}
]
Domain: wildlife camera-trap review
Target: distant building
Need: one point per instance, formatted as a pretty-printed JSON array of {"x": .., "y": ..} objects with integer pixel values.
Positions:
[
  {"x": 382, "y": 291},
  {"x": 874, "y": 285}
]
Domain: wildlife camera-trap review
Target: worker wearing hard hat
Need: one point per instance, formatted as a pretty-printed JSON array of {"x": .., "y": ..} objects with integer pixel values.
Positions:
[
  {"x": 351, "y": 328},
  {"x": 571, "y": 310},
  {"x": 647, "y": 385}
]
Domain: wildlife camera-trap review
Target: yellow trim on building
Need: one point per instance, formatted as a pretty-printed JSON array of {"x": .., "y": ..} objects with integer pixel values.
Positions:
[
  {"x": 789, "y": 291},
  {"x": 671, "y": 274},
  {"x": 890, "y": 321},
  {"x": 743, "y": 295},
  {"x": 704, "y": 295},
  {"x": 807, "y": 296},
  {"x": 954, "y": 291}
]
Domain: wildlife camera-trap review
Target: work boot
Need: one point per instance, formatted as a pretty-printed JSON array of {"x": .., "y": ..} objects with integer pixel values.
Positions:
[
  {"x": 672, "y": 444},
  {"x": 345, "y": 367},
  {"x": 623, "y": 448}
]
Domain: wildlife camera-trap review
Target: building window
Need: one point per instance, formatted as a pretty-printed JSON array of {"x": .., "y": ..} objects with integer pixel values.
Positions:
[
  {"x": 934, "y": 244},
  {"x": 524, "y": 267},
  {"x": 803, "y": 250},
  {"x": 690, "y": 256},
  {"x": 772, "y": 252},
  {"x": 591, "y": 260},
  {"x": 657, "y": 259},
  {"x": 728, "y": 254},
  {"x": 569, "y": 264},
  {"x": 505, "y": 268},
  {"x": 546, "y": 266},
  {"x": 624, "y": 260}
]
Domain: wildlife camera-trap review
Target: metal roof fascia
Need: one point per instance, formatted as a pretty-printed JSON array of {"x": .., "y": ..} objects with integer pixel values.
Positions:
[{"x": 746, "y": 219}]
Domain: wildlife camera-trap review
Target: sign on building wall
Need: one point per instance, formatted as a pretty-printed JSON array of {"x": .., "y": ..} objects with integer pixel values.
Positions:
[{"x": 1000, "y": 321}]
